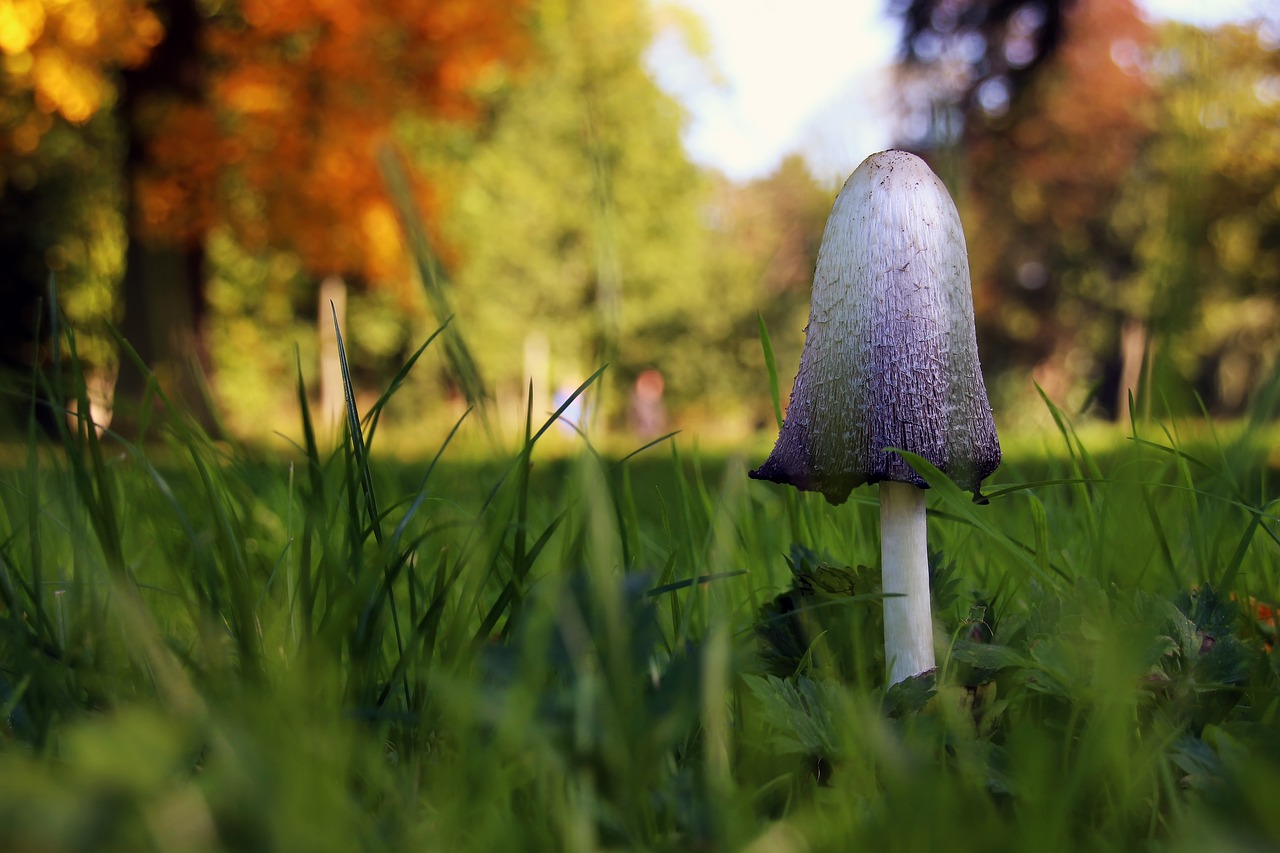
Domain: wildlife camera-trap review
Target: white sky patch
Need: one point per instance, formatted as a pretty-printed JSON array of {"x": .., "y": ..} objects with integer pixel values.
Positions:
[
  {"x": 782, "y": 62},
  {"x": 812, "y": 76},
  {"x": 1208, "y": 13}
]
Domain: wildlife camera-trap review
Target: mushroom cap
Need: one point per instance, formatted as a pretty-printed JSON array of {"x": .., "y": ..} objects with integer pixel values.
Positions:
[{"x": 890, "y": 356}]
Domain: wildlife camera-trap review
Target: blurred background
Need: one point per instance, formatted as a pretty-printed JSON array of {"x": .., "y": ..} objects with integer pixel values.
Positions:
[{"x": 636, "y": 183}]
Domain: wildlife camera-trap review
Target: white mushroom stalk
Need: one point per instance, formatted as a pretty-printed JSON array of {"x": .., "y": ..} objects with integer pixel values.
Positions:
[
  {"x": 890, "y": 362},
  {"x": 904, "y": 568}
]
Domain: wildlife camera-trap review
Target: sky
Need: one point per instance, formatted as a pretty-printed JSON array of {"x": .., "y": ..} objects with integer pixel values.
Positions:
[{"x": 808, "y": 76}]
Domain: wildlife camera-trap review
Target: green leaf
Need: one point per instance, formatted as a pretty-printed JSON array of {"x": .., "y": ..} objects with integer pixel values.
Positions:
[
  {"x": 798, "y": 714},
  {"x": 910, "y": 695},
  {"x": 989, "y": 655}
]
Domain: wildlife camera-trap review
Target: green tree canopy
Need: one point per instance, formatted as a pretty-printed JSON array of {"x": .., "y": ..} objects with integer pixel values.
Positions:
[
  {"x": 1202, "y": 210},
  {"x": 575, "y": 220}
]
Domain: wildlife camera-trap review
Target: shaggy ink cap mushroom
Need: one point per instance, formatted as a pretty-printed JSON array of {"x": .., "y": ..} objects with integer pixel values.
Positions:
[{"x": 890, "y": 356}]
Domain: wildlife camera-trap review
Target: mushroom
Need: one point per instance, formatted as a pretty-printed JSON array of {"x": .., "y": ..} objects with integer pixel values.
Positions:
[{"x": 890, "y": 362}]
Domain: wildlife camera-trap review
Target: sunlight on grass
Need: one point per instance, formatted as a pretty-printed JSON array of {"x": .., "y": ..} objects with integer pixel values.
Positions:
[{"x": 209, "y": 647}]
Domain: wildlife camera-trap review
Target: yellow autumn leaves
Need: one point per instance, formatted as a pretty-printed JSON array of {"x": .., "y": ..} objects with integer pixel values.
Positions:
[{"x": 62, "y": 51}]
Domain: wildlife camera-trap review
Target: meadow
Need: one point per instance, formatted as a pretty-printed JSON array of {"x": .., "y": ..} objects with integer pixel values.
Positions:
[{"x": 206, "y": 646}]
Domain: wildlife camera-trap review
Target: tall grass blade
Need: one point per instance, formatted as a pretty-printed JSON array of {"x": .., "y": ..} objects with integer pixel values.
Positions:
[
  {"x": 362, "y": 470},
  {"x": 357, "y": 438},
  {"x": 1162, "y": 538},
  {"x": 421, "y": 494},
  {"x": 555, "y": 416},
  {"x": 642, "y": 448},
  {"x": 771, "y": 367},
  {"x": 424, "y": 636},
  {"x": 1227, "y": 579},
  {"x": 314, "y": 502},
  {"x": 698, "y": 581},
  {"x": 1040, "y": 529},
  {"x": 372, "y": 416},
  {"x": 34, "y": 539},
  {"x": 464, "y": 367}
]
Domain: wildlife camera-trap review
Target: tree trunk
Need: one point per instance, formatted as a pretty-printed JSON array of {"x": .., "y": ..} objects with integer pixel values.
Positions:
[
  {"x": 163, "y": 322},
  {"x": 163, "y": 290}
]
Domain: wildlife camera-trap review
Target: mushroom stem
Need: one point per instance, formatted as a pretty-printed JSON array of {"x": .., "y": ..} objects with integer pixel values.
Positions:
[{"x": 908, "y": 622}]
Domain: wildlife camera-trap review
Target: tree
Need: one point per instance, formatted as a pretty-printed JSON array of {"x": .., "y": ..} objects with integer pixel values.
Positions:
[
  {"x": 573, "y": 220},
  {"x": 60, "y": 156},
  {"x": 1043, "y": 178},
  {"x": 1051, "y": 111},
  {"x": 163, "y": 278},
  {"x": 763, "y": 245},
  {"x": 1202, "y": 212},
  {"x": 265, "y": 116},
  {"x": 59, "y": 62},
  {"x": 963, "y": 58}
]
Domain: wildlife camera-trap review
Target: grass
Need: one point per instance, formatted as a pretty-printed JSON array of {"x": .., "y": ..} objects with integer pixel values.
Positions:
[{"x": 208, "y": 648}]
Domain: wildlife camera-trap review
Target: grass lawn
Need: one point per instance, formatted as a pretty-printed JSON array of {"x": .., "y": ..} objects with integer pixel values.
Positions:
[{"x": 204, "y": 648}]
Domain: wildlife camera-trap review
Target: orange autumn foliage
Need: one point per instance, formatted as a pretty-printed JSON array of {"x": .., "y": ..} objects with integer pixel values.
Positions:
[
  {"x": 1083, "y": 126},
  {"x": 1041, "y": 180},
  {"x": 297, "y": 97}
]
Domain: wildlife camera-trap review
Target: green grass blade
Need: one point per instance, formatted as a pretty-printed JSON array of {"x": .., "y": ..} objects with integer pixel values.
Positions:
[
  {"x": 463, "y": 366},
  {"x": 1226, "y": 581},
  {"x": 771, "y": 367},
  {"x": 424, "y": 636},
  {"x": 698, "y": 581},
  {"x": 364, "y": 472},
  {"x": 1040, "y": 529},
  {"x": 360, "y": 462},
  {"x": 372, "y": 416},
  {"x": 555, "y": 416}
]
